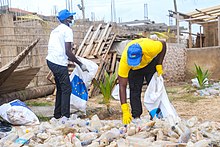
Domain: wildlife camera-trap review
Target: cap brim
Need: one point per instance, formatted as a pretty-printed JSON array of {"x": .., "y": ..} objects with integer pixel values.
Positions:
[
  {"x": 71, "y": 14},
  {"x": 134, "y": 62},
  {"x": 74, "y": 13}
]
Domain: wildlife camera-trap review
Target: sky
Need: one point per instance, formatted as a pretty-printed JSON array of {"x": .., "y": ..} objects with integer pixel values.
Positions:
[{"x": 126, "y": 10}]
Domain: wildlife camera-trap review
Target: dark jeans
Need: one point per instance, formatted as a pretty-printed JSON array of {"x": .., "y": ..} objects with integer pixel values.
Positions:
[
  {"x": 136, "y": 79},
  {"x": 63, "y": 85}
]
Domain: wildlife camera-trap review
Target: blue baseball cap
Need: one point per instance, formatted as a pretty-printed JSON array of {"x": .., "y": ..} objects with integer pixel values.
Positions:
[
  {"x": 134, "y": 55},
  {"x": 64, "y": 14}
]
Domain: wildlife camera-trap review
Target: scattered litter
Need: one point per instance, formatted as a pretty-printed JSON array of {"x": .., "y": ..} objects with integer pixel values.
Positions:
[
  {"x": 213, "y": 90},
  {"x": 112, "y": 133},
  {"x": 17, "y": 113}
]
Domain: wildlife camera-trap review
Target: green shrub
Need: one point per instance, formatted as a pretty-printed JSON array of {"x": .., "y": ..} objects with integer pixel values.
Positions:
[
  {"x": 202, "y": 77},
  {"x": 106, "y": 87}
]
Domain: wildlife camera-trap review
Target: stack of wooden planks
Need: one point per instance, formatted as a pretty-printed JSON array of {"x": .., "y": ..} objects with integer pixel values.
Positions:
[{"x": 96, "y": 46}]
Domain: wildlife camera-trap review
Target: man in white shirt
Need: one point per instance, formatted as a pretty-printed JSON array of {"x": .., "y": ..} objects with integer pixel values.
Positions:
[{"x": 59, "y": 52}]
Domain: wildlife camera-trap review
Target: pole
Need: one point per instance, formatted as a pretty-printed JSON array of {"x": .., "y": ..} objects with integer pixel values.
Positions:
[
  {"x": 218, "y": 30},
  {"x": 83, "y": 9},
  {"x": 200, "y": 38},
  {"x": 178, "y": 28},
  {"x": 175, "y": 8},
  {"x": 190, "y": 34}
]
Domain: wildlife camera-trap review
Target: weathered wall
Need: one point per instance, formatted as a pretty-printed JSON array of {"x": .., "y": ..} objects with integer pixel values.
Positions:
[
  {"x": 207, "y": 58},
  {"x": 211, "y": 33},
  {"x": 15, "y": 36},
  {"x": 174, "y": 63}
]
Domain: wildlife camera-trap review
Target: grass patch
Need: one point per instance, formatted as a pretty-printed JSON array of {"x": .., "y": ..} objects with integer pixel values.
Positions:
[
  {"x": 171, "y": 90},
  {"x": 34, "y": 103},
  {"x": 187, "y": 97},
  {"x": 43, "y": 118}
]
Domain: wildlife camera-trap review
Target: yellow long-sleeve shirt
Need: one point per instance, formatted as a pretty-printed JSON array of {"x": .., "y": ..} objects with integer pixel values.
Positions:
[{"x": 150, "y": 49}]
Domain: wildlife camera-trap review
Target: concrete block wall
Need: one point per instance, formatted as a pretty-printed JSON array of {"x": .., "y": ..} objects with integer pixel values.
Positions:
[{"x": 207, "y": 58}]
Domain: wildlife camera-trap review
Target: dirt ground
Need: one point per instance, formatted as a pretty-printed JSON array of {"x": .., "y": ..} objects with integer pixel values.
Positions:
[
  {"x": 183, "y": 98},
  {"x": 181, "y": 95}
]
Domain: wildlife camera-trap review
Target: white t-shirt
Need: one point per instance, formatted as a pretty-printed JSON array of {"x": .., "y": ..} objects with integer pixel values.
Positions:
[{"x": 56, "y": 45}]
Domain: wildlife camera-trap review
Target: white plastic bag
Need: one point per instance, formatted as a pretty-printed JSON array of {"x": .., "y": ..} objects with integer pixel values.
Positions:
[
  {"x": 115, "y": 92},
  {"x": 156, "y": 97},
  {"x": 80, "y": 82},
  {"x": 195, "y": 82},
  {"x": 17, "y": 113}
]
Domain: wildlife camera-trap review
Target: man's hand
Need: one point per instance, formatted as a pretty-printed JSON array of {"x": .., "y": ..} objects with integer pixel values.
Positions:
[
  {"x": 126, "y": 114},
  {"x": 159, "y": 69},
  {"x": 84, "y": 68}
]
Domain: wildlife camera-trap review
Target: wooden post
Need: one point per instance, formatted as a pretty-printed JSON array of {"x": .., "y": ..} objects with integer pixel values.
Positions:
[
  {"x": 218, "y": 30},
  {"x": 190, "y": 34},
  {"x": 178, "y": 28},
  {"x": 200, "y": 38}
]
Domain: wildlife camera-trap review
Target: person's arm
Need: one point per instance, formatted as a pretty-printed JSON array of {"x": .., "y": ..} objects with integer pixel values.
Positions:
[
  {"x": 70, "y": 54},
  {"x": 122, "y": 89},
  {"x": 126, "y": 114},
  {"x": 162, "y": 53}
]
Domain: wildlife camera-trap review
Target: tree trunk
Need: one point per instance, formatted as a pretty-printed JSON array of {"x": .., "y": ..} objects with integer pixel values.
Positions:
[{"x": 29, "y": 93}]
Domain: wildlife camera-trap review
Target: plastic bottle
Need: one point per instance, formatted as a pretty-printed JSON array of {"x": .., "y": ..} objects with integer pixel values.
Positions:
[
  {"x": 7, "y": 140},
  {"x": 185, "y": 136},
  {"x": 95, "y": 122},
  {"x": 192, "y": 121},
  {"x": 76, "y": 141},
  {"x": 86, "y": 142},
  {"x": 202, "y": 143},
  {"x": 63, "y": 120},
  {"x": 2, "y": 135}
]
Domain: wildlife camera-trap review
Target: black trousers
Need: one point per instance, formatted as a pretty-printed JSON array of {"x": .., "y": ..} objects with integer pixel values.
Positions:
[
  {"x": 136, "y": 79},
  {"x": 63, "y": 85}
]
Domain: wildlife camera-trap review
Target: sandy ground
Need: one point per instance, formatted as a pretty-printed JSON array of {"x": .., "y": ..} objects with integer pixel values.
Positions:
[{"x": 183, "y": 98}]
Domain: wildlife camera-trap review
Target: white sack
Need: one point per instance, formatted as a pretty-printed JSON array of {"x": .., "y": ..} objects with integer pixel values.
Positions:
[
  {"x": 80, "y": 82},
  {"x": 115, "y": 92},
  {"x": 156, "y": 97},
  {"x": 17, "y": 113}
]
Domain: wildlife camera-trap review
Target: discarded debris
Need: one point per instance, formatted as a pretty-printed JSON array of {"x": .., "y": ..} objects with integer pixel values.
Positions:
[{"x": 112, "y": 133}]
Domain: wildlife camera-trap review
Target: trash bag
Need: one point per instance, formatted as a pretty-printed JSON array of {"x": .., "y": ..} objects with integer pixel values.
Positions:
[
  {"x": 80, "y": 82},
  {"x": 156, "y": 100},
  {"x": 5, "y": 126},
  {"x": 115, "y": 92},
  {"x": 17, "y": 113}
]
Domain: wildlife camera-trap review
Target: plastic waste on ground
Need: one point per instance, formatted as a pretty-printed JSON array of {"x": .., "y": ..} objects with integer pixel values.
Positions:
[
  {"x": 17, "y": 113},
  {"x": 111, "y": 133}
]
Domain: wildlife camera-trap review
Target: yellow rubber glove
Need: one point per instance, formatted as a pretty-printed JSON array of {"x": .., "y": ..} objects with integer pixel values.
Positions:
[
  {"x": 159, "y": 69},
  {"x": 126, "y": 114}
]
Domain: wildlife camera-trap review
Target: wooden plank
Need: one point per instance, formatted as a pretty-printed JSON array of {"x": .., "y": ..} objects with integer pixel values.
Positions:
[
  {"x": 113, "y": 62},
  {"x": 102, "y": 38},
  {"x": 88, "y": 49},
  {"x": 83, "y": 49},
  {"x": 50, "y": 77},
  {"x": 93, "y": 48},
  {"x": 18, "y": 80},
  {"x": 96, "y": 77},
  {"x": 110, "y": 45},
  {"x": 8, "y": 69},
  {"x": 84, "y": 40}
]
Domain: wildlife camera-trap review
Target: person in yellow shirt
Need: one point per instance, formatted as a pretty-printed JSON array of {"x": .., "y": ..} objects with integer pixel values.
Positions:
[{"x": 140, "y": 59}]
